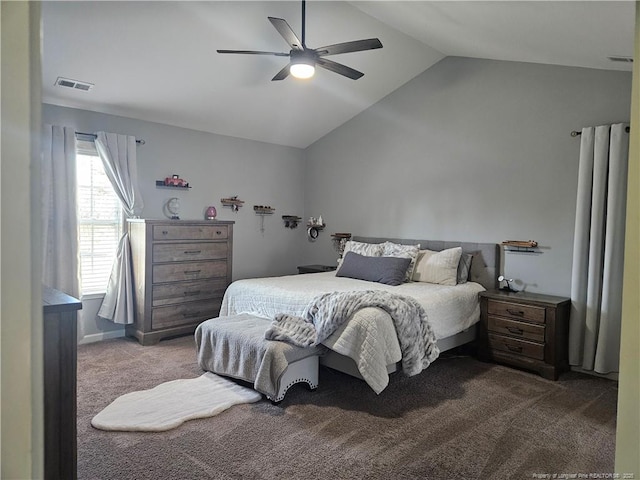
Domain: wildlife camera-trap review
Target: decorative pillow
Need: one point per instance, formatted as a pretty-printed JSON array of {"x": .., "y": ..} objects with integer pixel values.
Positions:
[
  {"x": 402, "y": 251},
  {"x": 366, "y": 249},
  {"x": 464, "y": 267},
  {"x": 387, "y": 270},
  {"x": 438, "y": 267}
]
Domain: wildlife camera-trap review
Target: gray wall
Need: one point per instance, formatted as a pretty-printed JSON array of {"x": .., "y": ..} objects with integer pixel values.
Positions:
[
  {"x": 471, "y": 149},
  {"x": 216, "y": 166}
]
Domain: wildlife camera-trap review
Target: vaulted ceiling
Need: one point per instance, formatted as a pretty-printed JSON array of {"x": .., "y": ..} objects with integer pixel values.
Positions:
[{"x": 157, "y": 61}]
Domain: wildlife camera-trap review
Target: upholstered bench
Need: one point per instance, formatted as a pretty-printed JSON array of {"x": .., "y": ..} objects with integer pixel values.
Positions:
[{"x": 235, "y": 346}]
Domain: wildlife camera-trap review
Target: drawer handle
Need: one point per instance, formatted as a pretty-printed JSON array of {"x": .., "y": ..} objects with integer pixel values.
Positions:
[
  {"x": 517, "y": 313},
  {"x": 164, "y": 232},
  {"x": 192, "y": 252},
  {"x": 511, "y": 348},
  {"x": 192, "y": 272},
  {"x": 218, "y": 232},
  {"x": 515, "y": 331},
  {"x": 190, "y": 315},
  {"x": 192, "y": 294}
]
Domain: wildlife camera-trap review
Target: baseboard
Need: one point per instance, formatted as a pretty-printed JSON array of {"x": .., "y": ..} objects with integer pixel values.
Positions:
[
  {"x": 99, "y": 337},
  {"x": 610, "y": 376}
]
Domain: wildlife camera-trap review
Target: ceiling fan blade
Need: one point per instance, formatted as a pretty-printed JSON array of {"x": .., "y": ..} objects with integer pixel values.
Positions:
[
  {"x": 253, "y": 52},
  {"x": 348, "y": 47},
  {"x": 339, "y": 68},
  {"x": 282, "y": 74},
  {"x": 287, "y": 33}
]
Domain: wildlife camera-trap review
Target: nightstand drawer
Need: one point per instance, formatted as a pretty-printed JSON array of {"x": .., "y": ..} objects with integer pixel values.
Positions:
[
  {"x": 516, "y": 347},
  {"x": 527, "y": 331},
  {"x": 517, "y": 311}
]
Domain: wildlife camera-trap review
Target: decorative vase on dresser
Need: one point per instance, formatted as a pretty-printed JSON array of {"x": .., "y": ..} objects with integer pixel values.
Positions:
[{"x": 181, "y": 269}]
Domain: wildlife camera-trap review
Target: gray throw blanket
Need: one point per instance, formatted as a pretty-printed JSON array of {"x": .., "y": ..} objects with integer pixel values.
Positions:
[{"x": 329, "y": 311}]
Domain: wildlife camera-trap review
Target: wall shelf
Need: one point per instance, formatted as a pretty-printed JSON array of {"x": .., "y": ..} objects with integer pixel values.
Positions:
[
  {"x": 263, "y": 210},
  {"x": 161, "y": 184},
  {"x": 232, "y": 202},
  {"x": 291, "y": 221}
]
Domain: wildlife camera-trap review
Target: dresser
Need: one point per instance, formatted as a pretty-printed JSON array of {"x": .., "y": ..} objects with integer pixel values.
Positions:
[
  {"x": 525, "y": 330},
  {"x": 59, "y": 346},
  {"x": 181, "y": 269}
]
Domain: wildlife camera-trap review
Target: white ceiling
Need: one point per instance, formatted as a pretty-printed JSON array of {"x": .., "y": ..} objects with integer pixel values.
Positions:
[{"x": 156, "y": 61}]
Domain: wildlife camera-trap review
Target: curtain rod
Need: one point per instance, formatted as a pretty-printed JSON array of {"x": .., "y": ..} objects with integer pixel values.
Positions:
[
  {"x": 576, "y": 133},
  {"x": 140, "y": 142}
]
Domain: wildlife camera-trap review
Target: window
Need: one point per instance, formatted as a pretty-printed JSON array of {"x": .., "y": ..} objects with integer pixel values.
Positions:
[{"x": 99, "y": 220}]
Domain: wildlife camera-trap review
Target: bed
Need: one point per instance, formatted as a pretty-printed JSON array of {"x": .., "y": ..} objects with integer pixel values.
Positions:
[{"x": 367, "y": 345}]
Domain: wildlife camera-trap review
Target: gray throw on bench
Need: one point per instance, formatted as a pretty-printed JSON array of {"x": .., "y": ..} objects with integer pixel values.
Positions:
[
  {"x": 235, "y": 346},
  {"x": 329, "y": 311}
]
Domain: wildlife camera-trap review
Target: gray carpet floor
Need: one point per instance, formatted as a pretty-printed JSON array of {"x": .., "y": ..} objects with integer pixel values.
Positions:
[{"x": 459, "y": 419}]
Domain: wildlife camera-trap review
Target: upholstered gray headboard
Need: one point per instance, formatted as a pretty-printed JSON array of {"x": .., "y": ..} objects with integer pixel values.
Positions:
[{"x": 485, "y": 266}]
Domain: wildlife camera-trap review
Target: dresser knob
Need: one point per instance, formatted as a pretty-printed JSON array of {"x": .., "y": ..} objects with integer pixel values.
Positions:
[
  {"x": 164, "y": 232},
  {"x": 218, "y": 232}
]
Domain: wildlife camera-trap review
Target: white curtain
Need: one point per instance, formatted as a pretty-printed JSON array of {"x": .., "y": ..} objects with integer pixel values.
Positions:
[
  {"x": 59, "y": 210},
  {"x": 598, "y": 249},
  {"x": 118, "y": 154}
]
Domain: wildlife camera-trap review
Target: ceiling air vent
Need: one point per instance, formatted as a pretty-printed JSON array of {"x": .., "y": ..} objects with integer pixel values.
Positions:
[
  {"x": 621, "y": 59},
  {"x": 78, "y": 85}
]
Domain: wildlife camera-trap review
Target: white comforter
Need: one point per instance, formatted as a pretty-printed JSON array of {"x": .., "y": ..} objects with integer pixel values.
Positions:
[{"x": 369, "y": 338}]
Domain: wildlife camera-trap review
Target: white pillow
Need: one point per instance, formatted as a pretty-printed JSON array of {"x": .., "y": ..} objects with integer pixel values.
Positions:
[
  {"x": 365, "y": 249},
  {"x": 438, "y": 267},
  {"x": 402, "y": 251}
]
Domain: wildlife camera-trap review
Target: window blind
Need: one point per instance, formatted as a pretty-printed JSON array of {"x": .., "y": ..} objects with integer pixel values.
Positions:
[{"x": 99, "y": 220}]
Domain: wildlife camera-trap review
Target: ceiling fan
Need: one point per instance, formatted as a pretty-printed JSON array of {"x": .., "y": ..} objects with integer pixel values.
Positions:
[{"x": 303, "y": 60}]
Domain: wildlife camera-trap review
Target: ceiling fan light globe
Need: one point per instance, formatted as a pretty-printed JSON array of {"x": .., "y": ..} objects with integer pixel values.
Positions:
[{"x": 302, "y": 70}]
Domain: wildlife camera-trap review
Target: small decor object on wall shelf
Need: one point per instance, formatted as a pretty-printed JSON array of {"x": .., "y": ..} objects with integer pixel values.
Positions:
[
  {"x": 173, "y": 182},
  {"x": 172, "y": 208},
  {"x": 291, "y": 221},
  {"x": 339, "y": 242},
  {"x": 521, "y": 246},
  {"x": 232, "y": 202},
  {"x": 316, "y": 222},
  {"x": 263, "y": 209},
  {"x": 210, "y": 213}
]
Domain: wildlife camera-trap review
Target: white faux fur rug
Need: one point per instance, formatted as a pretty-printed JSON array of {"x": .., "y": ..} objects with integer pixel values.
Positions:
[{"x": 172, "y": 403}]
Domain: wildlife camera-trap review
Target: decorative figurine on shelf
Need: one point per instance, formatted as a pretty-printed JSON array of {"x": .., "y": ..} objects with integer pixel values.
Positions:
[
  {"x": 211, "y": 213},
  {"x": 175, "y": 181}
]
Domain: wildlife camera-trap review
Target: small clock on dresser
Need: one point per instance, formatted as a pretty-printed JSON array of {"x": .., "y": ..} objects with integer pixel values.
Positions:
[{"x": 525, "y": 330}]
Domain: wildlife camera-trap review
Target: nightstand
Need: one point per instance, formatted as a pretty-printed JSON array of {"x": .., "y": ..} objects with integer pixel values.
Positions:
[
  {"x": 525, "y": 330},
  {"x": 315, "y": 268}
]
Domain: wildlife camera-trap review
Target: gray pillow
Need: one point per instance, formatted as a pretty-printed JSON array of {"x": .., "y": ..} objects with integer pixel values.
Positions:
[
  {"x": 387, "y": 270},
  {"x": 464, "y": 267}
]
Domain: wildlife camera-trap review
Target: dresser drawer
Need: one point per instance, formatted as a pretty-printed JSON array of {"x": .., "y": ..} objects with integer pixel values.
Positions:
[
  {"x": 517, "y": 347},
  {"x": 190, "y": 232},
  {"x": 176, "y": 272},
  {"x": 186, "y": 313},
  {"x": 527, "y": 331},
  {"x": 171, "y": 293},
  {"x": 179, "y": 252},
  {"x": 516, "y": 310}
]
